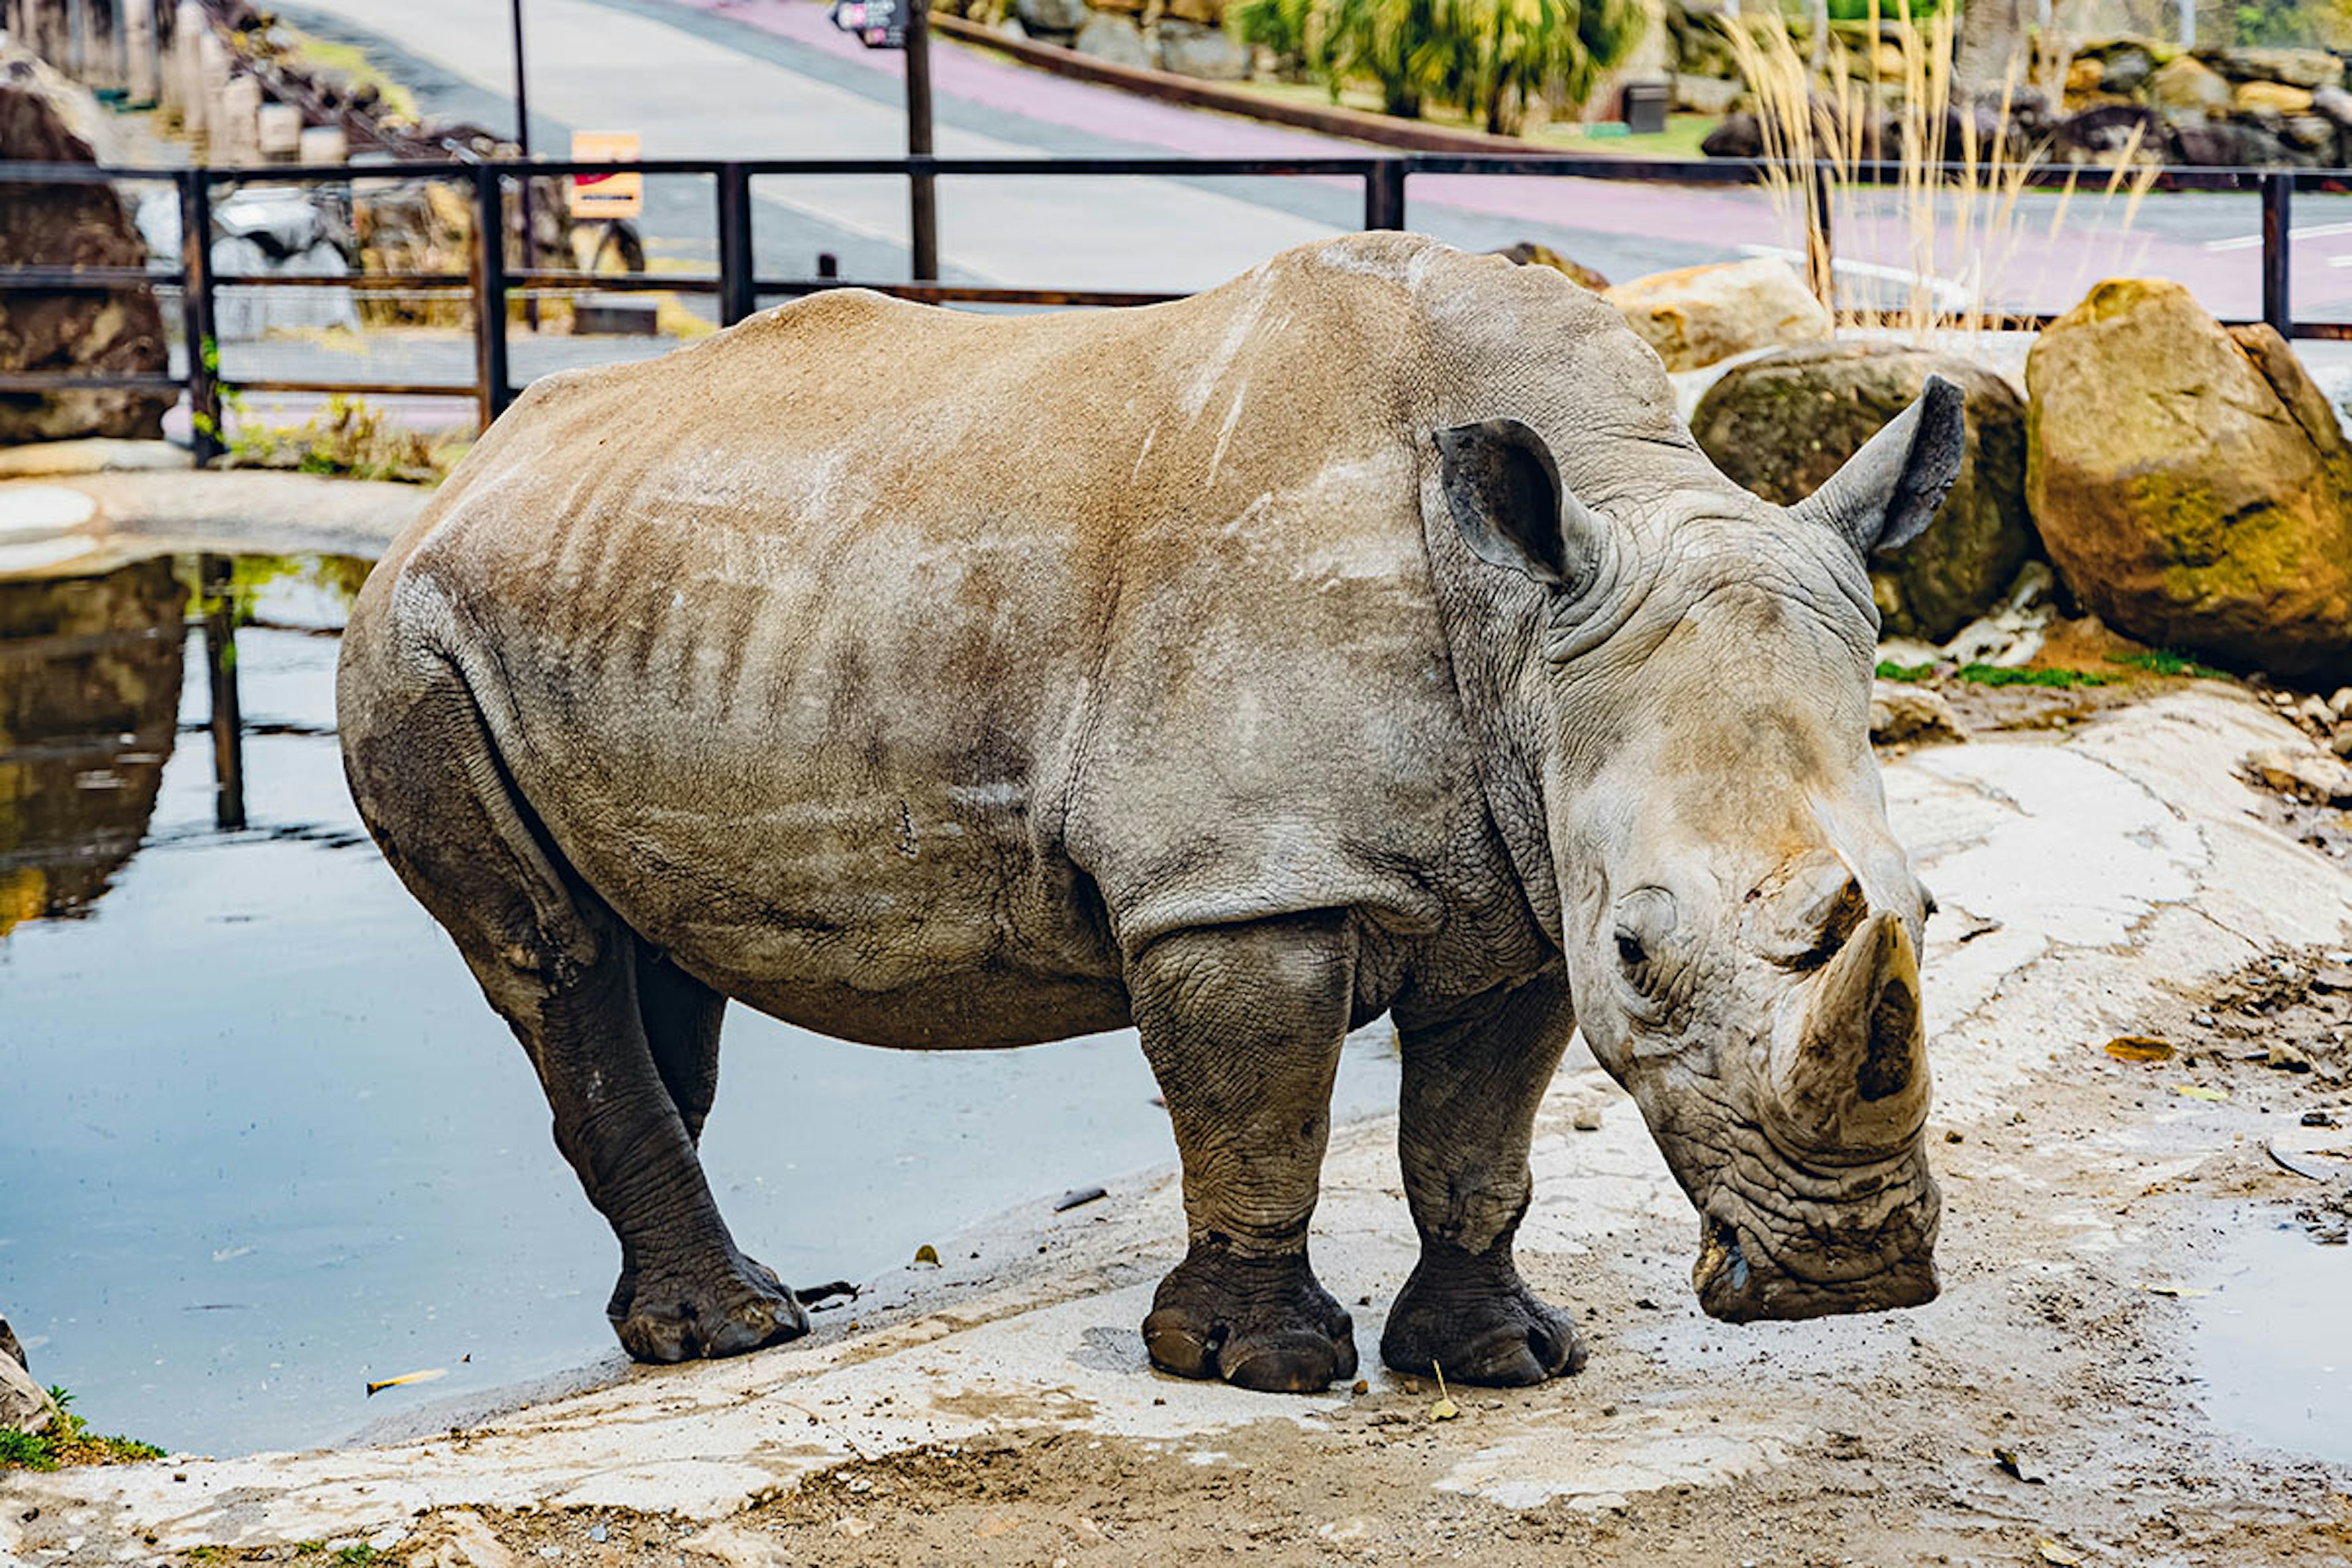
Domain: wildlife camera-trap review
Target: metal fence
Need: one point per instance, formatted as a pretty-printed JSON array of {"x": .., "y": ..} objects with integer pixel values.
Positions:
[{"x": 739, "y": 290}]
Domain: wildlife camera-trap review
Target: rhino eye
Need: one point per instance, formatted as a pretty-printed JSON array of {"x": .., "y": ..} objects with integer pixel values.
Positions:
[{"x": 1630, "y": 951}]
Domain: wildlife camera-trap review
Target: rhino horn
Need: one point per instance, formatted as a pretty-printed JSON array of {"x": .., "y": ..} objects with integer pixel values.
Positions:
[
  {"x": 1850, "y": 1083},
  {"x": 1888, "y": 492}
]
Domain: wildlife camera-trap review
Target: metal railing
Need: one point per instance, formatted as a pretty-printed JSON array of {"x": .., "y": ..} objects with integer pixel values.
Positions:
[{"x": 739, "y": 289}]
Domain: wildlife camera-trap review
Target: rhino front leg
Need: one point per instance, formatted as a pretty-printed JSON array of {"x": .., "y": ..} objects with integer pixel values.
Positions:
[
  {"x": 1475, "y": 1071},
  {"x": 1243, "y": 1026}
]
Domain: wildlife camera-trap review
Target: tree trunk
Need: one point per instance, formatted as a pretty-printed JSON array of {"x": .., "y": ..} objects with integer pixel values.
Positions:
[{"x": 1995, "y": 50}]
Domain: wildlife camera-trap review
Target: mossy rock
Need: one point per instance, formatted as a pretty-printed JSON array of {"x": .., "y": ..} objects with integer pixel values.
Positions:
[
  {"x": 1781, "y": 425},
  {"x": 2192, "y": 486}
]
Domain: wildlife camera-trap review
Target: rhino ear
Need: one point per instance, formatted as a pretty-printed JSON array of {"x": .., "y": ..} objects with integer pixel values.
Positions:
[
  {"x": 1888, "y": 492},
  {"x": 1504, "y": 490}
]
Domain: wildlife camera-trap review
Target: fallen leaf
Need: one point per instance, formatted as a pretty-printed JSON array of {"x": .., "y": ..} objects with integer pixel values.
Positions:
[
  {"x": 406, "y": 1378},
  {"x": 1076, "y": 1196},
  {"x": 1444, "y": 1409},
  {"x": 2180, "y": 1292},
  {"x": 2199, "y": 1091},
  {"x": 2139, "y": 1048},
  {"x": 2007, "y": 1460},
  {"x": 929, "y": 1254},
  {"x": 2053, "y": 1552}
]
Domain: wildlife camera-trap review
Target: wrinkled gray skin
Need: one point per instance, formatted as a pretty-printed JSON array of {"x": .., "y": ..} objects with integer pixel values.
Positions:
[{"x": 1364, "y": 635}]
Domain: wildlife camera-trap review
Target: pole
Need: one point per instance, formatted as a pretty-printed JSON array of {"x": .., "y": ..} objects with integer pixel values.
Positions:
[
  {"x": 2278, "y": 234},
  {"x": 922, "y": 199},
  {"x": 523, "y": 146},
  {"x": 227, "y": 720},
  {"x": 490, "y": 388},
  {"x": 205, "y": 436}
]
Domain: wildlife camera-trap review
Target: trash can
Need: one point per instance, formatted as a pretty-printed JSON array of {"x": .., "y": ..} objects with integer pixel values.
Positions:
[{"x": 1644, "y": 107}]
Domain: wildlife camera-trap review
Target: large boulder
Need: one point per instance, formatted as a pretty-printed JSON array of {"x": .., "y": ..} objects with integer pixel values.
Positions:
[
  {"x": 1781, "y": 425},
  {"x": 84, "y": 331},
  {"x": 2303, "y": 68},
  {"x": 1528, "y": 253},
  {"x": 24, "y": 1405},
  {"x": 1698, "y": 315},
  {"x": 2189, "y": 85},
  {"x": 1051, "y": 16},
  {"x": 1114, "y": 39},
  {"x": 1196, "y": 49},
  {"x": 2191, "y": 483},
  {"x": 2271, "y": 97}
]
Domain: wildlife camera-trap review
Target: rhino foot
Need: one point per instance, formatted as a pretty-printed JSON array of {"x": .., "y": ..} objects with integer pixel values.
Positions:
[
  {"x": 1474, "y": 1316},
  {"x": 1258, "y": 1323},
  {"x": 675, "y": 1318}
]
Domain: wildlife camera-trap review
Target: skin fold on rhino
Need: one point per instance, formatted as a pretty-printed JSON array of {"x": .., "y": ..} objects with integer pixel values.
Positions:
[{"x": 1364, "y": 635}]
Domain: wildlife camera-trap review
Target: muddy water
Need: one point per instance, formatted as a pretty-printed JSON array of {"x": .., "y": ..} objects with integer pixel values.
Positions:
[
  {"x": 2274, "y": 1352},
  {"x": 261, "y": 1140}
]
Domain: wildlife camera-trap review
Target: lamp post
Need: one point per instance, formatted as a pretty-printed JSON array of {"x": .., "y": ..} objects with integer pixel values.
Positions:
[{"x": 522, "y": 96}]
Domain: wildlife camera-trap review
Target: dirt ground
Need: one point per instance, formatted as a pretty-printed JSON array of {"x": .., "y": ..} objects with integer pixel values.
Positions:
[{"x": 2109, "y": 1139}]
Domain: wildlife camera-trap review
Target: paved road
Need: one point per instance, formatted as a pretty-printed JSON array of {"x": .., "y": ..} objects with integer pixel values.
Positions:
[{"x": 772, "y": 78}]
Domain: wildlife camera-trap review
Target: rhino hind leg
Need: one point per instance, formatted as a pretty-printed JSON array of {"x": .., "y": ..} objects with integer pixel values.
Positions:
[
  {"x": 624, "y": 1045},
  {"x": 1242, "y": 1024},
  {"x": 1475, "y": 1072}
]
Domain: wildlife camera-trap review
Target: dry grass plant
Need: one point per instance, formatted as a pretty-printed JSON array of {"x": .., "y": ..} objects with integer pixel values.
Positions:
[{"x": 1959, "y": 170}]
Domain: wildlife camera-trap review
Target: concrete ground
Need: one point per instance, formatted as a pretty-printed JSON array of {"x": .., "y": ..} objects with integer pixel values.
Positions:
[{"x": 2096, "y": 877}]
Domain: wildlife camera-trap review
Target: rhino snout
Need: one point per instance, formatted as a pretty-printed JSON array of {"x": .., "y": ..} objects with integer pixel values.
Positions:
[{"x": 1754, "y": 1268}]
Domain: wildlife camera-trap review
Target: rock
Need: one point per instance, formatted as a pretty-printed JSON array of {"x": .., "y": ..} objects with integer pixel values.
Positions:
[
  {"x": 1781, "y": 424},
  {"x": 2342, "y": 743},
  {"x": 734, "y": 1545},
  {"x": 1905, "y": 715},
  {"x": 2084, "y": 75},
  {"x": 2126, "y": 68},
  {"x": 2190, "y": 482},
  {"x": 2335, "y": 105},
  {"x": 2276, "y": 97},
  {"x": 1051, "y": 16},
  {"x": 24, "y": 1405},
  {"x": 2301, "y": 68},
  {"x": 2188, "y": 83},
  {"x": 2110, "y": 131},
  {"x": 1207, "y": 13},
  {"x": 2309, "y": 132},
  {"x": 86, "y": 331},
  {"x": 1528, "y": 253},
  {"x": 2341, "y": 705},
  {"x": 1696, "y": 315},
  {"x": 464, "y": 1540},
  {"x": 2211, "y": 144},
  {"x": 1189, "y": 48},
  {"x": 1739, "y": 136},
  {"x": 1113, "y": 38},
  {"x": 10, "y": 1348},
  {"x": 2305, "y": 775},
  {"x": 1706, "y": 94}
]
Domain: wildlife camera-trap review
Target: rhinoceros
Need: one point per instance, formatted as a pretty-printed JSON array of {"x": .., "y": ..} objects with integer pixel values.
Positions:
[{"x": 1366, "y": 635}]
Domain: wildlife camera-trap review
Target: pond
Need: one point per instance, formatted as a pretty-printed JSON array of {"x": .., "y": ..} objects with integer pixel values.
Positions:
[{"x": 261, "y": 1142}]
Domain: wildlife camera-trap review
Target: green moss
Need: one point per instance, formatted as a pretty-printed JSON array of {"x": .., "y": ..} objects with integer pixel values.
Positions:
[
  {"x": 1889, "y": 670},
  {"x": 2164, "y": 661},
  {"x": 2061, "y": 680}
]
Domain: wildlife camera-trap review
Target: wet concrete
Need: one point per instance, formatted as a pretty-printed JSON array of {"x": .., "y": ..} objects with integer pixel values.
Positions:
[{"x": 2085, "y": 880}]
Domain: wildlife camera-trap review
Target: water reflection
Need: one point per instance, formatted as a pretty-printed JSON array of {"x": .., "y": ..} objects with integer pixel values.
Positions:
[
  {"x": 261, "y": 1142},
  {"x": 89, "y": 697}
]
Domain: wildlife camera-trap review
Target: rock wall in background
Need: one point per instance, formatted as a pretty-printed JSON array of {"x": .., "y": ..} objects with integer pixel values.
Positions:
[{"x": 87, "y": 332}]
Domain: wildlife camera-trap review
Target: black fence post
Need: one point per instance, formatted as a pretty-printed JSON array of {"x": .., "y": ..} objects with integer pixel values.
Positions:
[
  {"x": 2278, "y": 192},
  {"x": 491, "y": 389},
  {"x": 737, "y": 298},
  {"x": 206, "y": 435},
  {"x": 1384, "y": 193}
]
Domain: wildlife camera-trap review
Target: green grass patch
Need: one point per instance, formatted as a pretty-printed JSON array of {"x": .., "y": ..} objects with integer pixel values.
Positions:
[
  {"x": 358, "y": 1556},
  {"x": 2058, "y": 679},
  {"x": 69, "y": 1441},
  {"x": 2164, "y": 661},
  {"x": 1889, "y": 670}
]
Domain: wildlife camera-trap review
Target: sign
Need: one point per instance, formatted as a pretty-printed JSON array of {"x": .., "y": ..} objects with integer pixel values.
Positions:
[
  {"x": 606, "y": 197},
  {"x": 878, "y": 23}
]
